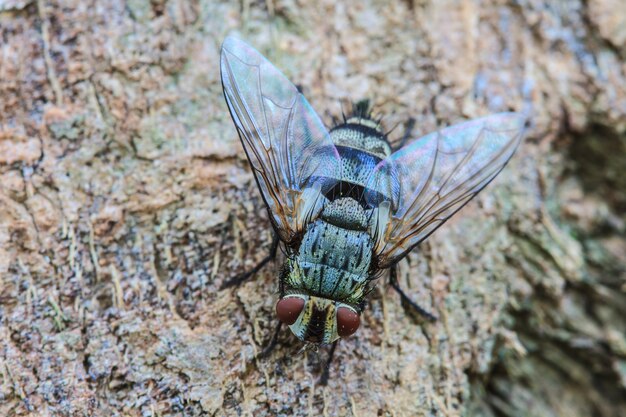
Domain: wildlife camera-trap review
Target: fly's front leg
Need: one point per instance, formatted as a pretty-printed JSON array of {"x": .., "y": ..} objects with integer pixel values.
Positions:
[
  {"x": 326, "y": 371},
  {"x": 246, "y": 275},
  {"x": 272, "y": 343},
  {"x": 393, "y": 280},
  {"x": 410, "y": 124}
]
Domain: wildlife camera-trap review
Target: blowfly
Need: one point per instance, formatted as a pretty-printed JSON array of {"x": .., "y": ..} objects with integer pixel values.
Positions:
[{"x": 345, "y": 205}]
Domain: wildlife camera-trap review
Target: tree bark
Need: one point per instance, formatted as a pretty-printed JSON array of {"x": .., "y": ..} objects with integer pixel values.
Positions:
[{"x": 126, "y": 200}]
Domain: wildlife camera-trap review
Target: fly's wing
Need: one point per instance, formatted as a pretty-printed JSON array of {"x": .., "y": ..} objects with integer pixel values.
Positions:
[
  {"x": 289, "y": 149},
  {"x": 432, "y": 178}
]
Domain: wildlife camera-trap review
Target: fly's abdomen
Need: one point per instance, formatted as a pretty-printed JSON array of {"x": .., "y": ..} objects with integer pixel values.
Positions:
[
  {"x": 334, "y": 261},
  {"x": 361, "y": 147}
]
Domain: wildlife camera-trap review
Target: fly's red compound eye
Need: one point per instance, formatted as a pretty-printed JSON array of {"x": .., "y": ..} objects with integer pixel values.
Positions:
[
  {"x": 347, "y": 321},
  {"x": 288, "y": 309}
]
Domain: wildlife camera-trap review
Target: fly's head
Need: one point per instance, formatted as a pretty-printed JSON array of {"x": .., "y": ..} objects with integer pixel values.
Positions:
[
  {"x": 314, "y": 319},
  {"x": 317, "y": 320}
]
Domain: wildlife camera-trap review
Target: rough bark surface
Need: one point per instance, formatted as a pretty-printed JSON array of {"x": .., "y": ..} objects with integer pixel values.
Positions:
[{"x": 126, "y": 200}]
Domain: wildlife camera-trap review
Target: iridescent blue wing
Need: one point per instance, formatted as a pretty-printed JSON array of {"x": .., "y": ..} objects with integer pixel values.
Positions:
[
  {"x": 289, "y": 149},
  {"x": 435, "y": 176}
]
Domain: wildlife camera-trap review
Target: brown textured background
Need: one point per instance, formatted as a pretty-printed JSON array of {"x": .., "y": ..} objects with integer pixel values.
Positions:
[{"x": 125, "y": 201}]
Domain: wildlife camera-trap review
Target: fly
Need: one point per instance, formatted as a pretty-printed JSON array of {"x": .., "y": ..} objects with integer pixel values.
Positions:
[{"x": 345, "y": 205}]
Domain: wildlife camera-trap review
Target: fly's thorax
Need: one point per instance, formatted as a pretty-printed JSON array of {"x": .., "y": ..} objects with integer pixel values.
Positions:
[
  {"x": 316, "y": 319},
  {"x": 332, "y": 262},
  {"x": 346, "y": 213}
]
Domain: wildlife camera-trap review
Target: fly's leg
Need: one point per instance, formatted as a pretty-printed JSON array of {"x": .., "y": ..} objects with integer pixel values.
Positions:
[
  {"x": 393, "y": 280},
  {"x": 407, "y": 133},
  {"x": 236, "y": 280},
  {"x": 326, "y": 371},
  {"x": 272, "y": 343}
]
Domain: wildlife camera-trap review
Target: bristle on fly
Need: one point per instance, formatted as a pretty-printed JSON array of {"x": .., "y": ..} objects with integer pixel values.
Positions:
[{"x": 362, "y": 109}]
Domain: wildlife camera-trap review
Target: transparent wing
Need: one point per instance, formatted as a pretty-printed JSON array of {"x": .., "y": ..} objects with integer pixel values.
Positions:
[
  {"x": 432, "y": 178},
  {"x": 289, "y": 149}
]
